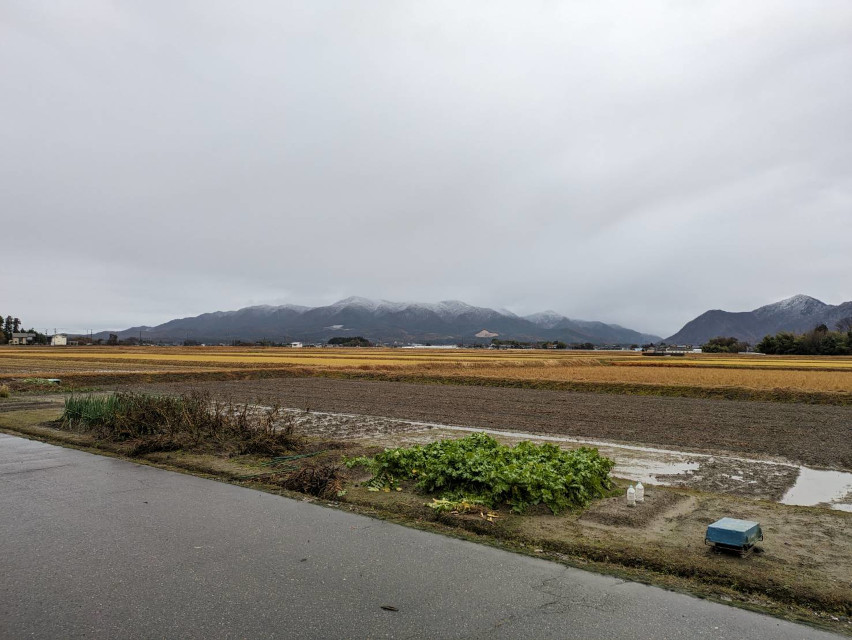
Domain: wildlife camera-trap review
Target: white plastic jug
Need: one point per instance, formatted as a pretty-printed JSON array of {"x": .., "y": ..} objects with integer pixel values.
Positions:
[
  {"x": 640, "y": 493},
  {"x": 631, "y": 497}
]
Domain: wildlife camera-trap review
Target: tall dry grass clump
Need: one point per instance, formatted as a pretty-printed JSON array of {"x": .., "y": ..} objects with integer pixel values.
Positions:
[{"x": 192, "y": 421}]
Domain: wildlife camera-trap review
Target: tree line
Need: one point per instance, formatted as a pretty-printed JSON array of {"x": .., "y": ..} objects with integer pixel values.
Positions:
[
  {"x": 724, "y": 345},
  {"x": 820, "y": 341},
  {"x": 11, "y": 325},
  {"x": 350, "y": 341},
  {"x": 817, "y": 342}
]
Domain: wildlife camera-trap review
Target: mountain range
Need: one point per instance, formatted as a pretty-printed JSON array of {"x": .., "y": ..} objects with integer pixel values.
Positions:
[
  {"x": 453, "y": 321},
  {"x": 447, "y": 322},
  {"x": 797, "y": 314}
]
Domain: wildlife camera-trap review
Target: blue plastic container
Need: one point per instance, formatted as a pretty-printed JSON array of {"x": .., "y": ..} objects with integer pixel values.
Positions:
[{"x": 730, "y": 533}]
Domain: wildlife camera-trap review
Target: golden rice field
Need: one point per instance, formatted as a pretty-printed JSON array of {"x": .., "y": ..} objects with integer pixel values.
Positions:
[
  {"x": 816, "y": 380},
  {"x": 798, "y": 373}
]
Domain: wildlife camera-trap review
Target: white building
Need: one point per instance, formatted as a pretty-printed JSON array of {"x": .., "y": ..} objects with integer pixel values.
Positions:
[
  {"x": 296, "y": 345},
  {"x": 58, "y": 340}
]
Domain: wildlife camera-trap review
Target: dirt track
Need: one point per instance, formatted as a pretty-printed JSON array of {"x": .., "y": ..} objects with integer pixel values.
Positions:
[{"x": 810, "y": 434}]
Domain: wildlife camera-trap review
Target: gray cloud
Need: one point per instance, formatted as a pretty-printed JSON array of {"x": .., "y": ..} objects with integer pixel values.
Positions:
[{"x": 630, "y": 163}]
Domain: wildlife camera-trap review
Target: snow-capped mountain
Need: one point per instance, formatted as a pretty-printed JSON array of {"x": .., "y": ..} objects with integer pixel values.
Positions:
[
  {"x": 446, "y": 322},
  {"x": 794, "y": 307},
  {"x": 547, "y": 319},
  {"x": 798, "y": 314}
]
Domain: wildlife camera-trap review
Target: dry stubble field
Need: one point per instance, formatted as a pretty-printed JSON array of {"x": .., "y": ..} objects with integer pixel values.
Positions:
[{"x": 825, "y": 380}]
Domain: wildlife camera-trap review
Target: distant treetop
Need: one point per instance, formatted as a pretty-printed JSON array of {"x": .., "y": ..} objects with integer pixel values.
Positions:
[{"x": 350, "y": 341}]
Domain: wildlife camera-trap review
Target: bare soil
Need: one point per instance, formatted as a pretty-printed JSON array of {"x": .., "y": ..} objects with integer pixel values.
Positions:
[
  {"x": 767, "y": 482},
  {"x": 7, "y": 406},
  {"x": 615, "y": 511},
  {"x": 816, "y": 435}
]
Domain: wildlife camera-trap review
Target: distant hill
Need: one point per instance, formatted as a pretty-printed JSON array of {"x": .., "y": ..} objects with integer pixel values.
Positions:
[
  {"x": 797, "y": 314},
  {"x": 447, "y": 322}
]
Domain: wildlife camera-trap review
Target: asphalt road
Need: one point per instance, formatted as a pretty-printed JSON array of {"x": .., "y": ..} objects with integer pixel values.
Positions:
[{"x": 96, "y": 547}]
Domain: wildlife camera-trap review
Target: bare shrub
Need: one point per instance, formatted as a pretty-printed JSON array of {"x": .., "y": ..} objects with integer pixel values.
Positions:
[
  {"x": 191, "y": 421},
  {"x": 321, "y": 480}
]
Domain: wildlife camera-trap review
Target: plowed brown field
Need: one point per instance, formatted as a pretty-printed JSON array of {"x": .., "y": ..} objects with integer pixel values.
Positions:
[{"x": 810, "y": 434}]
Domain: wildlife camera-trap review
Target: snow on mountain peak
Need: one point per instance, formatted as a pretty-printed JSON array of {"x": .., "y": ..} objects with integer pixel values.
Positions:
[
  {"x": 452, "y": 307},
  {"x": 270, "y": 309},
  {"x": 799, "y": 302},
  {"x": 357, "y": 301},
  {"x": 447, "y": 309},
  {"x": 546, "y": 319}
]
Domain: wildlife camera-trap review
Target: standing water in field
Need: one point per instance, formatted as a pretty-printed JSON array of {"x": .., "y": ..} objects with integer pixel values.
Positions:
[{"x": 814, "y": 486}]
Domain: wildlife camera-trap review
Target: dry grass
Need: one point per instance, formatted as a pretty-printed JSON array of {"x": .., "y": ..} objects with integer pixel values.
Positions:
[
  {"x": 702, "y": 371},
  {"x": 192, "y": 422},
  {"x": 705, "y": 377}
]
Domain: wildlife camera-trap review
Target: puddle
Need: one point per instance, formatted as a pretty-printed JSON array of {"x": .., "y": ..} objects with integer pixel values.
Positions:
[
  {"x": 647, "y": 471},
  {"x": 780, "y": 481},
  {"x": 814, "y": 486}
]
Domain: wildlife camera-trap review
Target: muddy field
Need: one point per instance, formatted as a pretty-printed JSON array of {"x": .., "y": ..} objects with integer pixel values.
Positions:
[
  {"x": 801, "y": 569},
  {"x": 814, "y": 435},
  {"x": 756, "y": 479}
]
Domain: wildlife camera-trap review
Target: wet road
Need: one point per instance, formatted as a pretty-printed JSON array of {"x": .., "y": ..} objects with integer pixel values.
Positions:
[{"x": 96, "y": 547}]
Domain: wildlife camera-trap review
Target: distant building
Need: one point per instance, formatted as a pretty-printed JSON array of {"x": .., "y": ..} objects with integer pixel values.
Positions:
[
  {"x": 429, "y": 346},
  {"x": 296, "y": 345},
  {"x": 665, "y": 350},
  {"x": 22, "y": 338},
  {"x": 58, "y": 340}
]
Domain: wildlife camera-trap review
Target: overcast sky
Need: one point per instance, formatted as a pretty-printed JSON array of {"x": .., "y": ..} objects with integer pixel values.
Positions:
[{"x": 631, "y": 162}]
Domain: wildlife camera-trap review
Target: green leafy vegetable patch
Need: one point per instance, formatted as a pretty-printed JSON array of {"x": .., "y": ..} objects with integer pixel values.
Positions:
[{"x": 478, "y": 469}]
